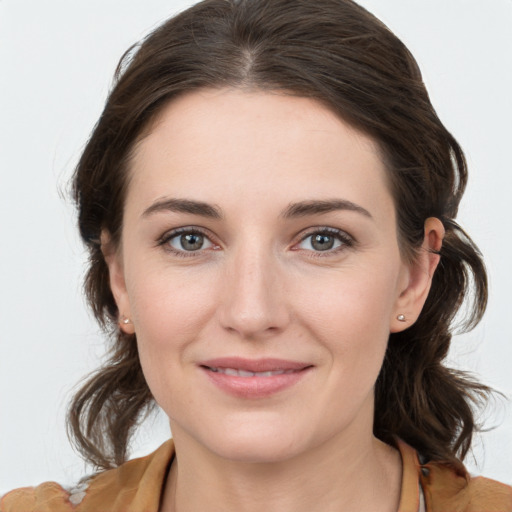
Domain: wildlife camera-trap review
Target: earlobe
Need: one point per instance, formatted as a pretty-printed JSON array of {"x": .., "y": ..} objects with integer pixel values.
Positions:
[
  {"x": 419, "y": 277},
  {"x": 126, "y": 325},
  {"x": 117, "y": 282}
]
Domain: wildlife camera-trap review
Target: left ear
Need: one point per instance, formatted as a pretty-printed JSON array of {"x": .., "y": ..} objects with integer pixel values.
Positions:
[{"x": 418, "y": 277}]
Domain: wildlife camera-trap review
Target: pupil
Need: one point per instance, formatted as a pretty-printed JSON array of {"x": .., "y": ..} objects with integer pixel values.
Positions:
[
  {"x": 191, "y": 241},
  {"x": 323, "y": 242}
]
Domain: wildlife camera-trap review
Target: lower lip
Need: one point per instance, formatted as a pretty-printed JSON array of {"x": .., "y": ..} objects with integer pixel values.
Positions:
[{"x": 255, "y": 387}]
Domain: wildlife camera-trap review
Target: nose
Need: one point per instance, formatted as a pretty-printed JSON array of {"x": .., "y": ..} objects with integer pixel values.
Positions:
[{"x": 253, "y": 303}]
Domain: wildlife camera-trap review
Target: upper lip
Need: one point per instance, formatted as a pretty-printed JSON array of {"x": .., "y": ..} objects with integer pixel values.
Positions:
[{"x": 254, "y": 365}]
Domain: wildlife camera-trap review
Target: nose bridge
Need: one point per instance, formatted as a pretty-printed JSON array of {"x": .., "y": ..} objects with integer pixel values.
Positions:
[{"x": 252, "y": 302}]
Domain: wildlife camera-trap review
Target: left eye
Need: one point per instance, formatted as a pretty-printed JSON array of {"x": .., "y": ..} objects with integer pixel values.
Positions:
[
  {"x": 323, "y": 241},
  {"x": 189, "y": 241}
]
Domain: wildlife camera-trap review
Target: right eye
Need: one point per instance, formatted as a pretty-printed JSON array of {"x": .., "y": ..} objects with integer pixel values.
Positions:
[{"x": 186, "y": 241}]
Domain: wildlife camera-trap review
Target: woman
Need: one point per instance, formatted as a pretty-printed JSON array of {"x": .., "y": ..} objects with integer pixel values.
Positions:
[{"x": 268, "y": 201}]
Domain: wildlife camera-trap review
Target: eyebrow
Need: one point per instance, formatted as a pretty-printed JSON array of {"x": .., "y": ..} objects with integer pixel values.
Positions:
[
  {"x": 315, "y": 207},
  {"x": 184, "y": 206},
  {"x": 293, "y": 210}
]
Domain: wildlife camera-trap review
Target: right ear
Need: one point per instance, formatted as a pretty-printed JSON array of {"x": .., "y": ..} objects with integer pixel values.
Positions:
[{"x": 117, "y": 281}]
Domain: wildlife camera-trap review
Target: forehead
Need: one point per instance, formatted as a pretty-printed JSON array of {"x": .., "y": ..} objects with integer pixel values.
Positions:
[{"x": 216, "y": 142}]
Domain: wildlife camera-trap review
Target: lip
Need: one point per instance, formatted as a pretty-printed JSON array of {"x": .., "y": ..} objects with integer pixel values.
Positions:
[{"x": 283, "y": 374}]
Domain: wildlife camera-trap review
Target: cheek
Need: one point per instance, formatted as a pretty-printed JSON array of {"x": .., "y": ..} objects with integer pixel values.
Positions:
[
  {"x": 169, "y": 312},
  {"x": 355, "y": 301},
  {"x": 349, "y": 314}
]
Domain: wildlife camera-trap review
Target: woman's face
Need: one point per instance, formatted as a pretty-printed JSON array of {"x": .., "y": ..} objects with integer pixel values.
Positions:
[{"x": 260, "y": 268}]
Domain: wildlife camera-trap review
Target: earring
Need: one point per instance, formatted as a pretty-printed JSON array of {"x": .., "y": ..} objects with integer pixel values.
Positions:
[
  {"x": 401, "y": 318},
  {"x": 125, "y": 320}
]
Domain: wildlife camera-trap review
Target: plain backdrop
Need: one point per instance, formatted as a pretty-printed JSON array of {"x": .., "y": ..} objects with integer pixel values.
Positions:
[{"x": 57, "y": 58}]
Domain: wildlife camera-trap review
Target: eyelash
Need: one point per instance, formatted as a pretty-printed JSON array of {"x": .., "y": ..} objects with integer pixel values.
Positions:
[
  {"x": 346, "y": 240},
  {"x": 167, "y": 237}
]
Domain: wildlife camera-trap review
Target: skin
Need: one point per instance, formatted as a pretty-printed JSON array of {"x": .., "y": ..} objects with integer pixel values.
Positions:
[{"x": 258, "y": 288}]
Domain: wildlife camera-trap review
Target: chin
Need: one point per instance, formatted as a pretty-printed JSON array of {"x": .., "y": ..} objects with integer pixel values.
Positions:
[
  {"x": 258, "y": 450},
  {"x": 256, "y": 441}
]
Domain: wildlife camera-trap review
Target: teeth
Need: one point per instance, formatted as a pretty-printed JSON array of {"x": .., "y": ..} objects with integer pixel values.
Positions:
[{"x": 244, "y": 373}]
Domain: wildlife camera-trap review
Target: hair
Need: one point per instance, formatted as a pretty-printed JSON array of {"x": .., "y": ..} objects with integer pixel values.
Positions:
[{"x": 339, "y": 54}]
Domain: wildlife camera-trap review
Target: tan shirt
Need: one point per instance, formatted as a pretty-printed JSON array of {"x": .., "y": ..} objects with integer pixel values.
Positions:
[{"x": 137, "y": 485}]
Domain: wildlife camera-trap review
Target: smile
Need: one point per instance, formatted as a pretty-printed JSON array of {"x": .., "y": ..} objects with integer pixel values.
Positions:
[
  {"x": 254, "y": 378},
  {"x": 244, "y": 373}
]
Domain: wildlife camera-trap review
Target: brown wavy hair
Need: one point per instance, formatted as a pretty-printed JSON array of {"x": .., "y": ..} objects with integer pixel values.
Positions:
[{"x": 339, "y": 54}]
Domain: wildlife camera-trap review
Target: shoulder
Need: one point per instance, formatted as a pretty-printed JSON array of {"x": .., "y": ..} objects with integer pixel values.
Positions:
[
  {"x": 47, "y": 496},
  {"x": 447, "y": 490},
  {"x": 483, "y": 490},
  {"x": 136, "y": 484}
]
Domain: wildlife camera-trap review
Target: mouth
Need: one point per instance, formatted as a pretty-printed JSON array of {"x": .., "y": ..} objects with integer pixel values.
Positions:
[
  {"x": 254, "y": 378},
  {"x": 244, "y": 373}
]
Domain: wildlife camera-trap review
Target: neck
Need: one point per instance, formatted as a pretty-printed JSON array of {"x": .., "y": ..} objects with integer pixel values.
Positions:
[{"x": 341, "y": 474}]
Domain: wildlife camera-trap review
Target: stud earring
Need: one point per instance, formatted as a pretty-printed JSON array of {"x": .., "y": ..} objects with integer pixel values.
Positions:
[
  {"x": 125, "y": 320},
  {"x": 401, "y": 318}
]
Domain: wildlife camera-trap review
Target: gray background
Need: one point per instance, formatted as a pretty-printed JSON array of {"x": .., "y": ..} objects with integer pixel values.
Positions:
[{"x": 57, "y": 58}]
